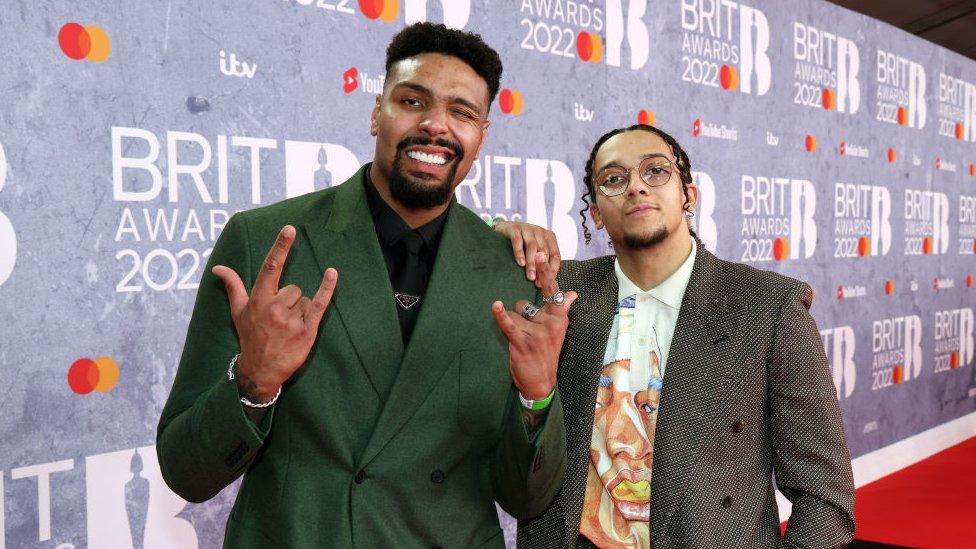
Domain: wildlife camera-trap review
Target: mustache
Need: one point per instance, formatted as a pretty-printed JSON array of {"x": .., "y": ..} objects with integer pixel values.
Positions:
[{"x": 455, "y": 148}]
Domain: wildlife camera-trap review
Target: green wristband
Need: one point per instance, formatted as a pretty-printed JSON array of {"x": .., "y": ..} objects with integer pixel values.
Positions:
[{"x": 537, "y": 404}]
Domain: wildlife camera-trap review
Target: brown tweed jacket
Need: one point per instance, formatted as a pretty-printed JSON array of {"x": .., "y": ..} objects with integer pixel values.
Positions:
[{"x": 747, "y": 394}]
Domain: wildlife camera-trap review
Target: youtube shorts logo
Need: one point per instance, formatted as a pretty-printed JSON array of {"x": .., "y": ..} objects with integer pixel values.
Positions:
[{"x": 350, "y": 80}]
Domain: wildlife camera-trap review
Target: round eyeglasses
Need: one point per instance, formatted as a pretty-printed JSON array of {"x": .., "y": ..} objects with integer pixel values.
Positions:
[{"x": 654, "y": 171}]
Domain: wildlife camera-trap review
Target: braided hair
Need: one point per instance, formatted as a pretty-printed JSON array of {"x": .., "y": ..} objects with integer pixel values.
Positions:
[{"x": 681, "y": 157}]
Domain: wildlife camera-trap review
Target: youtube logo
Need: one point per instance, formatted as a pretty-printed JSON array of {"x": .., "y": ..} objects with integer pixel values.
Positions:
[{"x": 350, "y": 80}]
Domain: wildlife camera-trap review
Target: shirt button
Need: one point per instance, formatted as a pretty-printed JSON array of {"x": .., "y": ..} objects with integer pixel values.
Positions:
[
  {"x": 737, "y": 426},
  {"x": 437, "y": 476},
  {"x": 360, "y": 477},
  {"x": 642, "y": 342},
  {"x": 727, "y": 502}
]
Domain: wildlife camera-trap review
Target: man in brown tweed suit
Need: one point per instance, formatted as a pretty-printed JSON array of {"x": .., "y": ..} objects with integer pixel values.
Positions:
[{"x": 728, "y": 354}]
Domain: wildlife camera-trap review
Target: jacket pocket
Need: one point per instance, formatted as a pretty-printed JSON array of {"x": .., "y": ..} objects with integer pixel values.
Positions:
[{"x": 484, "y": 386}]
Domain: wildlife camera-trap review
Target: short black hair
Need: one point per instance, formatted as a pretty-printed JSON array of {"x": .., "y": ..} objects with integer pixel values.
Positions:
[
  {"x": 681, "y": 161},
  {"x": 437, "y": 38}
]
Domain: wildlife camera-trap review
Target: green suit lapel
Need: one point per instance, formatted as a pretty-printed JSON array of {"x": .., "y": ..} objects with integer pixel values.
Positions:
[
  {"x": 363, "y": 298},
  {"x": 458, "y": 270}
]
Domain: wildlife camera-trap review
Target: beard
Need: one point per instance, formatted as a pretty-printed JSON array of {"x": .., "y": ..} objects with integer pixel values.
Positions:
[
  {"x": 423, "y": 194},
  {"x": 646, "y": 240}
]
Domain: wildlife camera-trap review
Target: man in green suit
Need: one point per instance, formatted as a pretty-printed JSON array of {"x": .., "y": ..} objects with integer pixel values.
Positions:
[{"x": 397, "y": 403}]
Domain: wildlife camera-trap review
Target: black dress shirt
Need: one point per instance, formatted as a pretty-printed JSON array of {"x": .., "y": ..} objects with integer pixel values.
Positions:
[{"x": 409, "y": 273}]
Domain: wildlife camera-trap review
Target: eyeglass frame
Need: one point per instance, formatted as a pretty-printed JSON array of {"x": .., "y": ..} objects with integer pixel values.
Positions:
[{"x": 668, "y": 161}]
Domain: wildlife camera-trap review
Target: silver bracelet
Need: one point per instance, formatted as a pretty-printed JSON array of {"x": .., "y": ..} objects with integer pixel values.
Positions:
[{"x": 244, "y": 400}]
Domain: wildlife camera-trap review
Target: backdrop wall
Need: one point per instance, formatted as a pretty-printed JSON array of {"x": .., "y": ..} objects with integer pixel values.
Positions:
[{"x": 827, "y": 146}]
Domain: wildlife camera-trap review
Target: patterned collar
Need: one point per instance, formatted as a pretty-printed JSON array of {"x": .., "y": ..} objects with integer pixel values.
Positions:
[{"x": 669, "y": 292}]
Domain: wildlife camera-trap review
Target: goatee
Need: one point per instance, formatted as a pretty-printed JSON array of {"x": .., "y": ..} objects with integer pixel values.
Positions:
[
  {"x": 419, "y": 195},
  {"x": 643, "y": 241}
]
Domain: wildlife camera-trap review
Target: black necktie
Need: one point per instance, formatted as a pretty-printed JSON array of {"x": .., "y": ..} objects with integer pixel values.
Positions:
[{"x": 410, "y": 282}]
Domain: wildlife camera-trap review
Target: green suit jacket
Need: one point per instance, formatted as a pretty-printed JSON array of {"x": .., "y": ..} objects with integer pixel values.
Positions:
[{"x": 370, "y": 444}]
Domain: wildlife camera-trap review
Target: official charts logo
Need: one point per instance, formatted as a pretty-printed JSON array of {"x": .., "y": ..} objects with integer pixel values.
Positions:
[
  {"x": 725, "y": 45},
  {"x": 957, "y": 108},
  {"x": 862, "y": 220},
  {"x": 826, "y": 70},
  {"x": 901, "y": 91},
  {"x": 86, "y": 375},
  {"x": 896, "y": 346},
  {"x": 777, "y": 218},
  {"x": 839, "y": 344},
  {"x": 79, "y": 42},
  {"x": 8, "y": 238}
]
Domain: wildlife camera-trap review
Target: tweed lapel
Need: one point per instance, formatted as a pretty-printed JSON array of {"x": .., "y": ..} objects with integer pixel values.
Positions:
[
  {"x": 363, "y": 297},
  {"x": 590, "y": 320},
  {"x": 702, "y": 353},
  {"x": 458, "y": 269}
]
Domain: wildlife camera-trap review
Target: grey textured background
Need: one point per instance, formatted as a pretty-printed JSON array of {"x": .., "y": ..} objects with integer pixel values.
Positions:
[{"x": 61, "y": 300}]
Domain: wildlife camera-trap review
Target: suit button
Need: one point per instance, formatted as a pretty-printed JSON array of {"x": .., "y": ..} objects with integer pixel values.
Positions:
[
  {"x": 727, "y": 502},
  {"x": 737, "y": 426},
  {"x": 360, "y": 477},
  {"x": 437, "y": 476}
]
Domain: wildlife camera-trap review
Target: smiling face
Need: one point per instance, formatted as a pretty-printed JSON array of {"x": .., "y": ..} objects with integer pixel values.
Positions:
[
  {"x": 642, "y": 216},
  {"x": 429, "y": 124}
]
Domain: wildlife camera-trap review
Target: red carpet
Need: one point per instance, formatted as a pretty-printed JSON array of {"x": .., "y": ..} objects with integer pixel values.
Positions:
[{"x": 931, "y": 504}]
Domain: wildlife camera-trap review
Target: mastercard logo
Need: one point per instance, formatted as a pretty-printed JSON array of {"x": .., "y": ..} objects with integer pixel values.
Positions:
[
  {"x": 927, "y": 245},
  {"x": 78, "y": 42},
  {"x": 511, "y": 101},
  {"x": 969, "y": 279},
  {"x": 829, "y": 99},
  {"x": 958, "y": 130},
  {"x": 589, "y": 46},
  {"x": 889, "y": 287},
  {"x": 863, "y": 246},
  {"x": 729, "y": 77},
  {"x": 902, "y": 116},
  {"x": 86, "y": 375},
  {"x": 898, "y": 374},
  {"x": 892, "y": 156},
  {"x": 972, "y": 170},
  {"x": 781, "y": 249},
  {"x": 810, "y": 143},
  {"x": 646, "y": 117},
  {"x": 954, "y": 360},
  {"x": 384, "y": 10}
]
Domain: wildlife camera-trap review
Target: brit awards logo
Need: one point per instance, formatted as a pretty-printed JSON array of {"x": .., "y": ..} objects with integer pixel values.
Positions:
[
  {"x": 839, "y": 344},
  {"x": 896, "y": 346},
  {"x": 862, "y": 220},
  {"x": 900, "y": 97},
  {"x": 8, "y": 238},
  {"x": 957, "y": 108},
  {"x": 725, "y": 45},
  {"x": 826, "y": 70},
  {"x": 704, "y": 220},
  {"x": 926, "y": 222},
  {"x": 777, "y": 218},
  {"x": 967, "y": 225},
  {"x": 953, "y": 339}
]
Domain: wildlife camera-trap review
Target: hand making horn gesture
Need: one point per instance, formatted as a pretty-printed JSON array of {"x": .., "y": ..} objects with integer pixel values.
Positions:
[
  {"x": 535, "y": 335},
  {"x": 276, "y": 327}
]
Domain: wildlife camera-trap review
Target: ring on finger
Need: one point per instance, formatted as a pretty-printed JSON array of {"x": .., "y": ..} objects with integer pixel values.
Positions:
[
  {"x": 529, "y": 311},
  {"x": 558, "y": 298}
]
